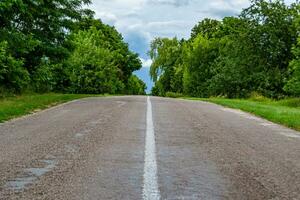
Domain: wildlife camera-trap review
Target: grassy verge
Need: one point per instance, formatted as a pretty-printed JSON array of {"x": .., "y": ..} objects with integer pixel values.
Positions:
[
  {"x": 285, "y": 112},
  {"x": 12, "y": 107}
]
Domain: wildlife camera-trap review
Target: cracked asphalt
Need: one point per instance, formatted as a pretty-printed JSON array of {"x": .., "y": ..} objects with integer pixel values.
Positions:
[{"x": 94, "y": 148}]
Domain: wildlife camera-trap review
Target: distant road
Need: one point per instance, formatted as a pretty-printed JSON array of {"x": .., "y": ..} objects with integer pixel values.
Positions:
[{"x": 147, "y": 148}]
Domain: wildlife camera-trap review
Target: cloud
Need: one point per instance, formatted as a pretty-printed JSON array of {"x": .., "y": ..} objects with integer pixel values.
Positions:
[
  {"x": 220, "y": 13},
  {"x": 147, "y": 62},
  {"x": 173, "y": 28},
  {"x": 164, "y": 24},
  {"x": 170, "y": 2},
  {"x": 140, "y": 21},
  {"x": 107, "y": 17},
  {"x": 220, "y": 8}
]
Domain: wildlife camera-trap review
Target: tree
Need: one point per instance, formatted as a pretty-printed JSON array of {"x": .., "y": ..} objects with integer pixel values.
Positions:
[
  {"x": 293, "y": 85},
  {"x": 207, "y": 27},
  {"x": 166, "y": 56},
  {"x": 101, "y": 62},
  {"x": 46, "y": 40},
  {"x": 126, "y": 60},
  {"x": 200, "y": 57},
  {"x": 135, "y": 86},
  {"x": 91, "y": 65},
  {"x": 35, "y": 29},
  {"x": 268, "y": 21},
  {"x": 233, "y": 57},
  {"x": 13, "y": 77}
]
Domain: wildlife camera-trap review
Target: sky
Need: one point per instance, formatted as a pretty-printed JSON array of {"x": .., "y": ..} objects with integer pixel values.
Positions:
[{"x": 139, "y": 21}]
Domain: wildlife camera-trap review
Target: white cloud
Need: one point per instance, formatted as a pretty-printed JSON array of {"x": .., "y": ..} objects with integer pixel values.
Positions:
[
  {"x": 165, "y": 18},
  {"x": 146, "y": 62},
  {"x": 170, "y": 2},
  {"x": 141, "y": 20},
  {"x": 164, "y": 24},
  {"x": 107, "y": 17}
]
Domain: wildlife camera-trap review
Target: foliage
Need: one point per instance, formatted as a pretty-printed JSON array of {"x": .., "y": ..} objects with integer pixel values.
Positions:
[
  {"x": 207, "y": 27},
  {"x": 166, "y": 56},
  {"x": 174, "y": 95},
  {"x": 39, "y": 27},
  {"x": 95, "y": 64},
  {"x": 199, "y": 71},
  {"x": 158, "y": 90},
  {"x": 13, "y": 77},
  {"x": 233, "y": 57},
  {"x": 135, "y": 86},
  {"x": 91, "y": 68},
  {"x": 59, "y": 46},
  {"x": 125, "y": 60},
  {"x": 43, "y": 78},
  {"x": 293, "y": 84}
]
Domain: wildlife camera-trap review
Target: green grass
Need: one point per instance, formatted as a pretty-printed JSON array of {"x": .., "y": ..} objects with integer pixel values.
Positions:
[
  {"x": 17, "y": 106},
  {"x": 285, "y": 112}
]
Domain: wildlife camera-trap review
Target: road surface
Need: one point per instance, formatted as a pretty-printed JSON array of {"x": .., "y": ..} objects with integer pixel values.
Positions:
[{"x": 147, "y": 148}]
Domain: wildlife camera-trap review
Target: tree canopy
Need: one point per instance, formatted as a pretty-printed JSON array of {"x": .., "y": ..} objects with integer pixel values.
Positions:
[
  {"x": 256, "y": 51},
  {"x": 57, "y": 45}
]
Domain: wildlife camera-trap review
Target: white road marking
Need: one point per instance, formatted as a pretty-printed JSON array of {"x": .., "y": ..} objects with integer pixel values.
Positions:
[{"x": 150, "y": 189}]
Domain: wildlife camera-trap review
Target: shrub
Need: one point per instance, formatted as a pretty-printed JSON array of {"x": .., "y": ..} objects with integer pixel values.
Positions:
[
  {"x": 255, "y": 96},
  {"x": 13, "y": 76},
  {"x": 174, "y": 95},
  {"x": 42, "y": 79},
  {"x": 135, "y": 86}
]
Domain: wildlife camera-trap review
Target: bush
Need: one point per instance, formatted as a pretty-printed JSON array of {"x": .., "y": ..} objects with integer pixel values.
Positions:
[
  {"x": 135, "y": 86},
  {"x": 13, "y": 76},
  {"x": 255, "y": 96},
  {"x": 293, "y": 85},
  {"x": 174, "y": 95},
  {"x": 92, "y": 66},
  {"x": 290, "y": 102},
  {"x": 42, "y": 79}
]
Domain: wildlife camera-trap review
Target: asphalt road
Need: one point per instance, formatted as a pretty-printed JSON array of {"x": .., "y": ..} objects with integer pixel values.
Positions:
[{"x": 147, "y": 148}]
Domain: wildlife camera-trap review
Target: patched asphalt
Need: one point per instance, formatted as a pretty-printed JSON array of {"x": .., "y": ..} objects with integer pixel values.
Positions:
[{"x": 94, "y": 148}]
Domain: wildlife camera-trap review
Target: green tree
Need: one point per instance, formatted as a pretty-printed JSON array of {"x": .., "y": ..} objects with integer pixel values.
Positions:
[
  {"x": 233, "y": 57},
  {"x": 268, "y": 21},
  {"x": 101, "y": 62},
  {"x": 293, "y": 85},
  {"x": 125, "y": 60},
  {"x": 38, "y": 29},
  {"x": 35, "y": 29},
  {"x": 135, "y": 86},
  {"x": 166, "y": 67},
  {"x": 13, "y": 77},
  {"x": 199, "y": 60},
  {"x": 91, "y": 65},
  {"x": 207, "y": 27}
]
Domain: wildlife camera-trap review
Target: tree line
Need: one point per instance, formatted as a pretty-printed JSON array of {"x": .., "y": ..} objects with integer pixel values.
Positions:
[
  {"x": 257, "y": 51},
  {"x": 58, "y": 46}
]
